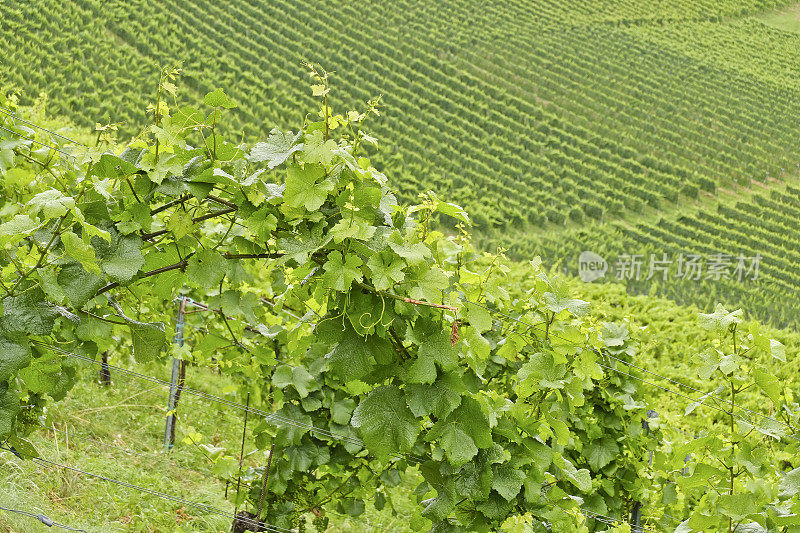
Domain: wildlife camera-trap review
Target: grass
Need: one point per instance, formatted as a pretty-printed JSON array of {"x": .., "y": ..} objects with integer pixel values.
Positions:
[
  {"x": 786, "y": 19},
  {"x": 125, "y": 423}
]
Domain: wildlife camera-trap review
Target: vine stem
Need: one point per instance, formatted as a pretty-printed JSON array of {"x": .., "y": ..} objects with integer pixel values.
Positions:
[
  {"x": 264, "y": 482},
  {"x": 732, "y": 422},
  {"x": 405, "y": 299},
  {"x": 241, "y": 455}
]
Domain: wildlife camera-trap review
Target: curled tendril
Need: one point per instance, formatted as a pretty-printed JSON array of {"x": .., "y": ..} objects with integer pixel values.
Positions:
[{"x": 380, "y": 318}]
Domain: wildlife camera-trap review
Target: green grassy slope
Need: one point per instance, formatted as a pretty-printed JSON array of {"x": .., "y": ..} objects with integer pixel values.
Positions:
[
  {"x": 538, "y": 117},
  {"x": 118, "y": 432}
]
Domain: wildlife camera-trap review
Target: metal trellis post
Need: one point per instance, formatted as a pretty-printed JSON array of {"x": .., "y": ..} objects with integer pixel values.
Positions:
[
  {"x": 636, "y": 514},
  {"x": 169, "y": 431}
]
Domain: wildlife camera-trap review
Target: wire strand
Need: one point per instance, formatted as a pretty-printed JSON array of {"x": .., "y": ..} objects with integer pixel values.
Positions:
[
  {"x": 29, "y": 123},
  {"x": 37, "y": 142},
  {"x": 43, "y": 519}
]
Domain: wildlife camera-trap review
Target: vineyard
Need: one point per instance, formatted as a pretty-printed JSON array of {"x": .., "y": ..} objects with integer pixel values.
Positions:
[{"x": 292, "y": 268}]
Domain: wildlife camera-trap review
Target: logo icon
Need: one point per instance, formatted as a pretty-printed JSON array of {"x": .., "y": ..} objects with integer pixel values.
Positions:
[{"x": 591, "y": 266}]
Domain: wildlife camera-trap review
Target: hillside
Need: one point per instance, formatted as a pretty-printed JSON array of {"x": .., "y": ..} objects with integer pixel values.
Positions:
[
  {"x": 604, "y": 341},
  {"x": 537, "y": 117}
]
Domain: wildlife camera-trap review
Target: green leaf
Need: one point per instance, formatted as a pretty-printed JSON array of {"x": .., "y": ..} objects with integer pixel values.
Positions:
[
  {"x": 80, "y": 251},
  {"x": 111, "y": 166},
  {"x": 352, "y": 228},
  {"x": 46, "y": 376},
  {"x": 351, "y": 358},
  {"x": 559, "y": 300},
  {"x": 206, "y": 269},
  {"x": 736, "y": 506},
  {"x": 180, "y": 223},
  {"x": 20, "y": 225},
  {"x": 298, "y": 377},
  {"x": 340, "y": 273},
  {"x": 123, "y": 260},
  {"x": 277, "y": 148},
  {"x": 615, "y": 335},
  {"x": 790, "y": 483},
  {"x": 582, "y": 479},
  {"x": 28, "y": 312},
  {"x": 507, "y": 480},
  {"x": 435, "y": 349},
  {"x": 218, "y": 98},
  {"x": 438, "y": 399},
  {"x": 422, "y": 370},
  {"x": 342, "y": 411},
  {"x": 303, "y": 188},
  {"x": 453, "y": 210},
  {"x": 148, "y": 340},
  {"x": 9, "y": 407},
  {"x": 478, "y": 317},
  {"x": 601, "y": 452},
  {"x": 768, "y": 383},
  {"x": 317, "y": 150},
  {"x": 720, "y": 319},
  {"x": 540, "y": 372},
  {"x": 386, "y": 269},
  {"x": 464, "y": 431},
  {"x": 413, "y": 253},
  {"x": 777, "y": 350},
  {"x": 304, "y": 243},
  {"x": 51, "y": 203},
  {"x": 78, "y": 284},
  {"x": 430, "y": 285},
  {"x": 385, "y": 423},
  {"x": 15, "y": 353}
]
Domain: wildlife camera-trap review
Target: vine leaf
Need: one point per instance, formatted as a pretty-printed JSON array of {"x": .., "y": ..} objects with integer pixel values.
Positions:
[
  {"x": 9, "y": 407},
  {"x": 16, "y": 354},
  {"x": 438, "y": 399},
  {"x": 720, "y": 319},
  {"x": 180, "y": 224},
  {"x": 340, "y": 272},
  {"x": 386, "y": 269},
  {"x": 464, "y": 431},
  {"x": 601, "y": 452},
  {"x": 430, "y": 284},
  {"x": 277, "y": 148},
  {"x": 123, "y": 259},
  {"x": 478, "y": 317},
  {"x": 386, "y": 424},
  {"x": 303, "y": 243},
  {"x": 51, "y": 203},
  {"x": 28, "y": 312},
  {"x": 317, "y": 149},
  {"x": 46, "y": 375},
  {"x": 298, "y": 377},
  {"x": 206, "y": 269},
  {"x": 218, "y": 98},
  {"x": 18, "y": 227},
  {"x": 507, "y": 480},
  {"x": 303, "y": 188},
  {"x": 352, "y": 357},
  {"x": 768, "y": 383},
  {"x": 413, "y": 253},
  {"x": 148, "y": 340},
  {"x": 790, "y": 484},
  {"x": 80, "y": 251},
  {"x": 111, "y": 166}
]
